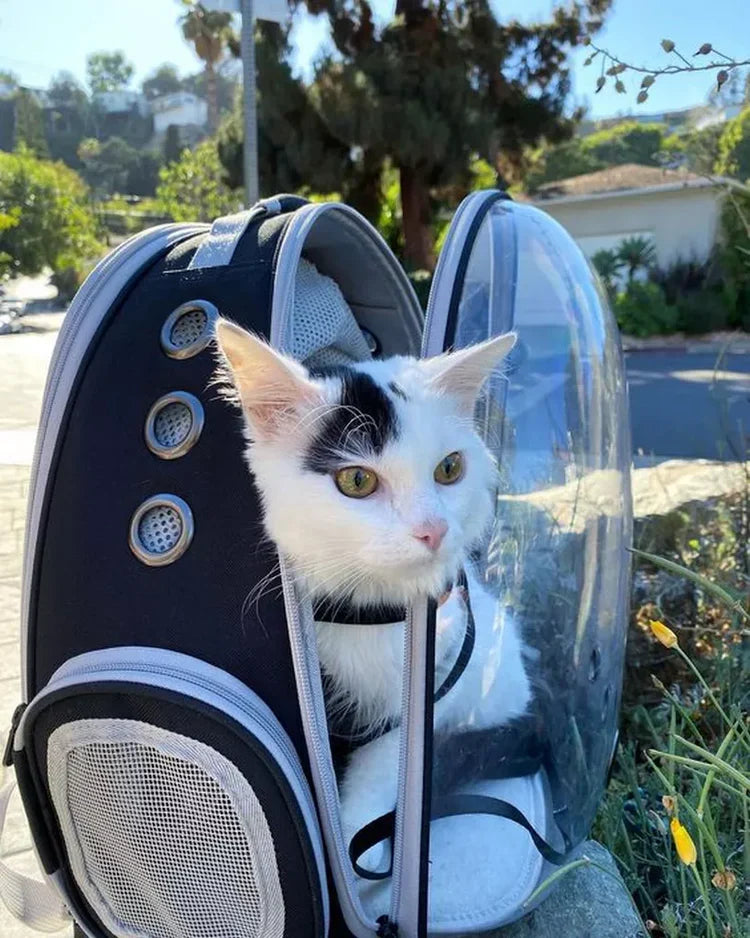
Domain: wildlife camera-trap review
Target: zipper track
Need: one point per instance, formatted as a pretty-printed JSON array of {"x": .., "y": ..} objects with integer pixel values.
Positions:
[
  {"x": 308, "y": 687},
  {"x": 79, "y": 311}
]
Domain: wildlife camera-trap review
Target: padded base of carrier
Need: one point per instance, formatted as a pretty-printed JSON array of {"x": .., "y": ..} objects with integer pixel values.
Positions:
[{"x": 482, "y": 868}]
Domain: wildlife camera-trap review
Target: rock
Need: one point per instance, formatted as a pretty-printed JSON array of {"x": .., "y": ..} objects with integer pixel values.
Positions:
[{"x": 585, "y": 903}]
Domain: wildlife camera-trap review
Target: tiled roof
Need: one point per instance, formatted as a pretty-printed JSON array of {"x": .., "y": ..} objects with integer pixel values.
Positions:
[{"x": 615, "y": 179}]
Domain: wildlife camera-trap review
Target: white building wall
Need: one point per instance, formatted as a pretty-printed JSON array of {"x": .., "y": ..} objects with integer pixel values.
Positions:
[{"x": 682, "y": 224}]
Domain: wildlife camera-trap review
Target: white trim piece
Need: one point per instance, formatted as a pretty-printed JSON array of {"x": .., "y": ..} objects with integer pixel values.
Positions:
[
  {"x": 443, "y": 281},
  {"x": 88, "y": 309}
]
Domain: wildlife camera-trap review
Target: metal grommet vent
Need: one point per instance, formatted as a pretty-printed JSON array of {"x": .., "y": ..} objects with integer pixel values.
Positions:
[
  {"x": 189, "y": 328},
  {"x": 174, "y": 424},
  {"x": 161, "y": 530}
]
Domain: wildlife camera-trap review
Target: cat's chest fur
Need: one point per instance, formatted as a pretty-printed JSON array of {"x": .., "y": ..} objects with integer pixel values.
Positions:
[{"x": 363, "y": 665}]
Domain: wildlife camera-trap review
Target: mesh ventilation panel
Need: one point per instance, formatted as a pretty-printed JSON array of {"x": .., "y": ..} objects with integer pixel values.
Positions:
[
  {"x": 161, "y": 530},
  {"x": 166, "y": 838},
  {"x": 172, "y": 424},
  {"x": 188, "y": 328},
  {"x": 325, "y": 331}
]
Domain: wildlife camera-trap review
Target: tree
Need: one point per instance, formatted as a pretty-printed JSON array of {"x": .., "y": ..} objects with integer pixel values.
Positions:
[
  {"x": 192, "y": 189},
  {"x": 628, "y": 142},
  {"x": 572, "y": 158},
  {"x": 108, "y": 71},
  {"x": 29, "y": 124},
  {"x": 636, "y": 254},
  {"x": 227, "y": 78},
  {"x": 52, "y": 224},
  {"x": 608, "y": 265},
  {"x": 108, "y": 165},
  {"x": 210, "y": 33},
  {"x": 68, "y": 118},
  {"x": 441, "y": 84},
  {"x": 295, "y": 147},
  {"x": 701, "y": 148},
  {"x": 734, "y": 147},
  {"x": 172, "y": 144},
  {"x": 164, "y": 80}
]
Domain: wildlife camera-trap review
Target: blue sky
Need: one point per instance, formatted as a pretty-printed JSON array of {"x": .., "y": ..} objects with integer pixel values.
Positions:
[{"x": 41, "y": 37}]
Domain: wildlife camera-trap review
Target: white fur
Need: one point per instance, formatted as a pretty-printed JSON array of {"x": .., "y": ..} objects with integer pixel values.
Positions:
[{"x": 362, "y": 550}]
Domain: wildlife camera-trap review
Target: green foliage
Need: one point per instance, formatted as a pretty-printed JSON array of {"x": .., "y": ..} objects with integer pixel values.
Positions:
[
  {"x": 192, "y": 188},
  {"x": 295, "y": 149},
  {"x": 108, "y": 71},
  {"x": 642, "y": 310},
  {"x": 627, "y": 142},
  {"x": 29, "y": 124},
  {"x": 636, "y": 254},
  {"x": 108, "y": 165},
  {"x": 686, "y": 750},
  {"x": 439, "y": 85},
  {"x": 52, "y": 222},
  {"x": 701, "y": 148},
  {"x": 734, "y": 147},
  {"x": 704, "y": 311},
  {"x": 608, "y": 265},
  {"x": 735, "y": 255},
  {"x": 563, "y": 161},
  {"x": 172, "y": 144},
  {"x": 163, "y": 80},
  {"x": 69, "y": 119}
]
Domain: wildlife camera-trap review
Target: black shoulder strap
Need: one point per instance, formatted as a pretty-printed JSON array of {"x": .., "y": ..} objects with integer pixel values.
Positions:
[{"x": 382, "y": 828}]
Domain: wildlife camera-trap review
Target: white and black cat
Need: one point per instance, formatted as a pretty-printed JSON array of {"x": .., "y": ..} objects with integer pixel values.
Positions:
[{"x": 376, "y": 486}]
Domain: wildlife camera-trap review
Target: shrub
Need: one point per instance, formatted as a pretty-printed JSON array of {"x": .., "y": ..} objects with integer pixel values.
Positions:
[
  {"x": 52, "y": 221},
  {"x": 642, "y": 310},
  {"x": 192, "y": 189},
  {"x": 702, "y": 311},
  {"x": 421, "y": 280}
]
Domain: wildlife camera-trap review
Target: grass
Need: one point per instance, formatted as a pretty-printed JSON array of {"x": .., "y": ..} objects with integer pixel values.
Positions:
[{"x": 677, "y": 811}]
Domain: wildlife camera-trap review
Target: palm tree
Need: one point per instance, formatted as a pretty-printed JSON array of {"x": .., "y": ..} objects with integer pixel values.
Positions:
[
  {"x": 636, "y": 253},
  {"x": 211, "y": 33},
  {"x": 608, "y": 265}
]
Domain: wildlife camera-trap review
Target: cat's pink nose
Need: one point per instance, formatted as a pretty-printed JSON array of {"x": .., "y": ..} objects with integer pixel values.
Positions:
[{"x": 431, "y": 533}]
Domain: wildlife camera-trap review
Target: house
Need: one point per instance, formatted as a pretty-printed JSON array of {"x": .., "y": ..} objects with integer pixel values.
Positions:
[
  {"x": 180, "y": 108},
  {"x": 121, "y": 101},
  {"x": 677, "y": 210}
]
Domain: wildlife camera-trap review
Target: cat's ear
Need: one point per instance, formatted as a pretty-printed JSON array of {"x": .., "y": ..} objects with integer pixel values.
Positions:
[
  {"x": 272, "y": 388},
  {"x": 463, "y": 372}
]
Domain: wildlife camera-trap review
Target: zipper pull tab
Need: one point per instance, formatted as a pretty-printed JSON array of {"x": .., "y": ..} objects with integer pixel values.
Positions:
[{"x": 14, "y": 723}]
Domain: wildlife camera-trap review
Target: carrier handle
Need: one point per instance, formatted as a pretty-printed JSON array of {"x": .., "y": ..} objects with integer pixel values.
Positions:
[
  {"x": 382, "y": 828},
  {"x": 29, "y": 900}
]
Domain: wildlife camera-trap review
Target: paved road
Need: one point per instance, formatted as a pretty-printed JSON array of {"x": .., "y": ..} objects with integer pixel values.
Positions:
[{"x": 682, "y": 407}]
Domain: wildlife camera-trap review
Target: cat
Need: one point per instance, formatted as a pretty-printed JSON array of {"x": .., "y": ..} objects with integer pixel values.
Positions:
[{"x": 376, "y": 486}]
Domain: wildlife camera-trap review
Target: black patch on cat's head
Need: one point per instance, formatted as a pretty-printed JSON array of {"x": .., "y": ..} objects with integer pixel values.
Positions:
[
  {"x": 365, "y": 420},
  {"x": 398, "y": 391}
]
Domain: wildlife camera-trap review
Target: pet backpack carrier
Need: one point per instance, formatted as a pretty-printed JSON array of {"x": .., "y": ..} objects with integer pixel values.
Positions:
[{"x": 179, "y": 770}]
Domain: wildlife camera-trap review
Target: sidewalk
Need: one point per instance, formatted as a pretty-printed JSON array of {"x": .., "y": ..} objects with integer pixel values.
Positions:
[{"x": 23, "y": 365}]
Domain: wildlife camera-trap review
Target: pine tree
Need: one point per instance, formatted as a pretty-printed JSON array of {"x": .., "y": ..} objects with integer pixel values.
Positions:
[{"x": 442, "y": 83}]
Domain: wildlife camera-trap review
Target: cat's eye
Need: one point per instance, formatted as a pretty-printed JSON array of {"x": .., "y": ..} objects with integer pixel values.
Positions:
[
  {"x": 449, "y": 469},
  {"x": 356, "y": 481}
]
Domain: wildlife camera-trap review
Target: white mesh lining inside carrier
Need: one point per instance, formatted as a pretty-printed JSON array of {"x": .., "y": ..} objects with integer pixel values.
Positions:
[
  {"x": 324, "y": 330},
  {"x": 166, "y": 838}
]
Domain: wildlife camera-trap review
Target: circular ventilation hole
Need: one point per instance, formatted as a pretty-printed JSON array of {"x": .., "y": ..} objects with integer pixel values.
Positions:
[
  {"x": 174, "y": 424},
  {"x": 161, "y": 530},
  {"x": 188, "y": 329}
]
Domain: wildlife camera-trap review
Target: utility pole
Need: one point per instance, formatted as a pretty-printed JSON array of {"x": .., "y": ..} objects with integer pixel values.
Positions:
[{"x": 250, "y": 147}]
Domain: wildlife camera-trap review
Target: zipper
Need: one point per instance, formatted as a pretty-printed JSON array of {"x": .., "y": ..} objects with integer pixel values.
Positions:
[
  {"x": 78, "y": 312},
  {"x": 266, "y": 720}
]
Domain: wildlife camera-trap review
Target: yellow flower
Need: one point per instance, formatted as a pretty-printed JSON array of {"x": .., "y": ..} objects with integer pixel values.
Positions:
[
  {"x": 663, "y": 633},
  {"x": 683, "y": 843},
  {"x": 669, "y": 803},
  {"x": 724, "y": 879}
]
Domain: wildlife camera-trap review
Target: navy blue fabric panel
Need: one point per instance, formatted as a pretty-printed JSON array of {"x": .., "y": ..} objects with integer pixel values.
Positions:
[{"x": 90, "y": 590}]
